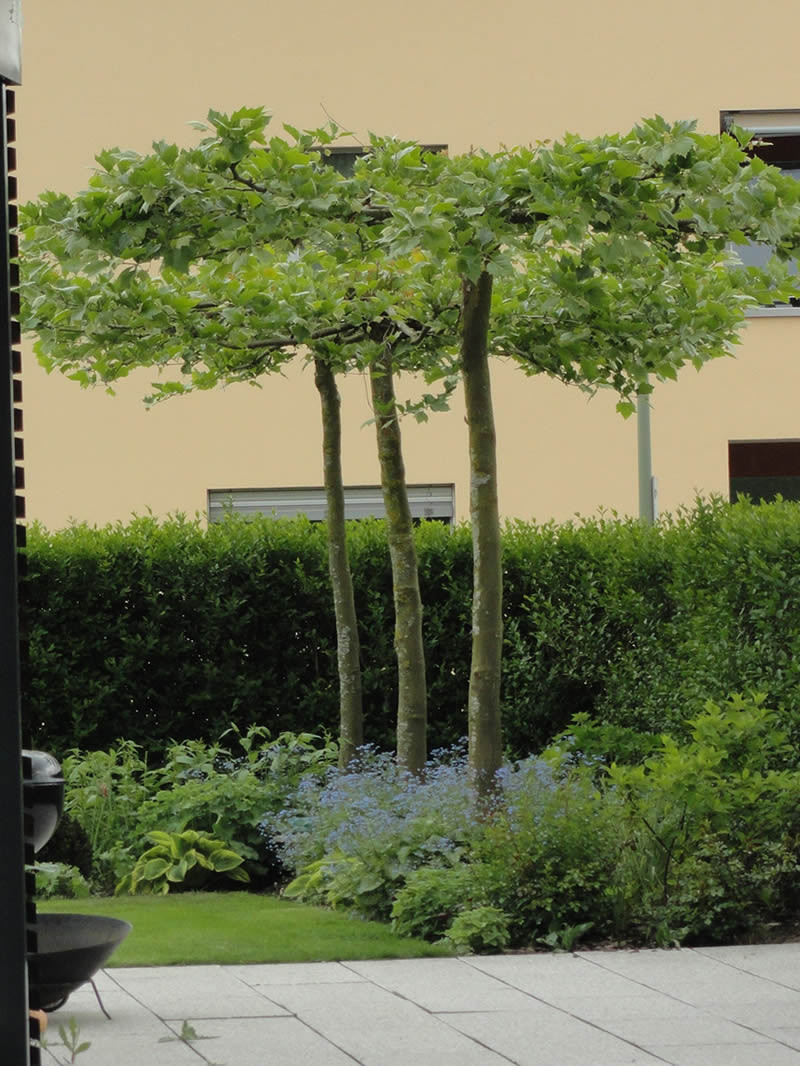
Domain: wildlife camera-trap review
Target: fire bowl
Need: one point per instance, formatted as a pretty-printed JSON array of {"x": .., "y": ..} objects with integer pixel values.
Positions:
[{"x": 72, "y": 948}]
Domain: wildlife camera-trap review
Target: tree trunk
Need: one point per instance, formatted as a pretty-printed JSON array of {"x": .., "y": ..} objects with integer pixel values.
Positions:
[
  {"x": 411, "y": 685},
  {"x": 485, "y": 730},
  {"x": 351, "y": 718}
]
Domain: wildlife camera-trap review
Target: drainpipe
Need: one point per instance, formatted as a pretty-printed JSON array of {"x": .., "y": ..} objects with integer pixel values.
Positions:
[{"x": 648, "y": 509}]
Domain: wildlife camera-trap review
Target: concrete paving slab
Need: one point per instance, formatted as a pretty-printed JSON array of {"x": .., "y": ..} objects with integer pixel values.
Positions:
[
  {"x": 554, "y": 978},
  {"x": 761, "y": 1015},
  {"x": 699, "y": 1028},
  {"x": 715, "y": 1007},
  {"x": 692, "y": 977},
  {"x": 442, "y": 984},
  {"x": 647, "y": 1006},
  {"x": 379, "y": 1028},
  {"x": 730, "y": 1055},
  {"x": 268, "y": 1042},
  {"x": 177, "y": 992},
  {"x": 789, "y": 1035},
  {"x": 775, "y": 962},
  {"x": 296, "y": 973},
  {"x": 132, "y": 1037},
  {"x": 532, "y": 1038}
]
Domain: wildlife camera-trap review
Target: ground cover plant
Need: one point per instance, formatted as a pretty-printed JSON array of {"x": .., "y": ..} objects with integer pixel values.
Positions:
[{"x": 204, "y": 928}]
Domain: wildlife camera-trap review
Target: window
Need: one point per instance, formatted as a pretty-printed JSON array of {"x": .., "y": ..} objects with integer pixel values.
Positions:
[
  {"x": 432, "y": 502},
  {"x": 778, "y": 133},
  {"x": 778, "y": 130},
  {"x": 764, "y": 469},
  {"x": 343, "y": 158}
]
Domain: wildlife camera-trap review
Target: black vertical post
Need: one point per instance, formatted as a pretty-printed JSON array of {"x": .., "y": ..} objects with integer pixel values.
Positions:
[{"x": 15, "y": 1045}]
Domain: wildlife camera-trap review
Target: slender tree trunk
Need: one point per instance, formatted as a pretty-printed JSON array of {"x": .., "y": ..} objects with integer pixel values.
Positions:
[
  {"x": 411, "y": 685},
  {"x": 351, "y": 718},
  {"x": 485, "y": 730}
]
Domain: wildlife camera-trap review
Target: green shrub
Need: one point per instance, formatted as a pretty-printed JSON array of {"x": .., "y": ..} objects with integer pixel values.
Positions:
[
  {"x": 70, "y": 846},
  {"x": 430, "y": 899},
  {"x": 59, "y": 879},
  {"x": 233, "y": 792},
  {"x": 189, "y": 859},
  {"x": 153, "y": 630},
  {"x": 354, "y": 838},
  {"x": 586, "y": 740},
  {"x": 478, "y": 930},
  {"x": 546, "y": 857},
  {"x": 103, "y": 793},
  {"x": 715, "y": 827}
]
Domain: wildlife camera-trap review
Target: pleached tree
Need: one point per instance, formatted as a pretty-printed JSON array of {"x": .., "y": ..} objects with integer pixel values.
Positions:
[{"x": 605, "y": 263}]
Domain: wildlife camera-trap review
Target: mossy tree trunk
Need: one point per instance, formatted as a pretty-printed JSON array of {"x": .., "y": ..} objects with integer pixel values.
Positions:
[
  {"x": 348, "y": 651},
  {"x": 484, "y": 721},
  {"x": 411, "y": 684}
]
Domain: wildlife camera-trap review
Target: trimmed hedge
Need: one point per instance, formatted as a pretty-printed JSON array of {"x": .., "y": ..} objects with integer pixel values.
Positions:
[{"x": 155, "y": 630}]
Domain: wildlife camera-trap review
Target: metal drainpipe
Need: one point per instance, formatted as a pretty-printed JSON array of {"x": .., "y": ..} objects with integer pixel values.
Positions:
[{"x": 647, "y": 483}]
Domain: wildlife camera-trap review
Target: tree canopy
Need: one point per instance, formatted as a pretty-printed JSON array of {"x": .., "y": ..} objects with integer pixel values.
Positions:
[{"x": 604, "y": 262}]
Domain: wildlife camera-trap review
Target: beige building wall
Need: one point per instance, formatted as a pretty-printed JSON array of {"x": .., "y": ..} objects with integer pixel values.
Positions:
[{"x": 101, "y": 73}]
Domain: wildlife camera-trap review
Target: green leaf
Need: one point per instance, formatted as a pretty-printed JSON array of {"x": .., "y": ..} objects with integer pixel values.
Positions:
[
  {"x": 625, "y": 168},
  {"x": 155, "y": 868}
]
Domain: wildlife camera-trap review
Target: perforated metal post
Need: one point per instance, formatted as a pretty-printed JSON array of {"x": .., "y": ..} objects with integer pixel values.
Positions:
[
  {"x": 17, "y": 911},
  {"x": 14, "y": 1031}
]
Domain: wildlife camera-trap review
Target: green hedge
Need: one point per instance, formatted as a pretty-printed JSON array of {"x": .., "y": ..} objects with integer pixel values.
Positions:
[{"x": 156, "y": 630}]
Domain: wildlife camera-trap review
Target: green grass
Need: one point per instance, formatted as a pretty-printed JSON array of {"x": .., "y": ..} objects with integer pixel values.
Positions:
[{"x": 239, "y": 927}]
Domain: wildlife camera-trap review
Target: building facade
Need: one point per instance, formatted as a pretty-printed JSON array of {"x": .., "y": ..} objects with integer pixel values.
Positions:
[{"x": 97, "y": 75}]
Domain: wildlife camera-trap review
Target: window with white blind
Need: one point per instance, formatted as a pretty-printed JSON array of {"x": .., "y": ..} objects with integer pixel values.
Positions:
[{"x": 432, "y": 502}]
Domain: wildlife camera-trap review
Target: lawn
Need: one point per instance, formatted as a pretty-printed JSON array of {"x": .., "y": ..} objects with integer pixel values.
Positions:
[{"x": 239, "y": 927}]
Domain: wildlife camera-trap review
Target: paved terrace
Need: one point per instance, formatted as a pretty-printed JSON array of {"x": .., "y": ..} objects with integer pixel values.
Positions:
[{"x": 728, "y": 1006}]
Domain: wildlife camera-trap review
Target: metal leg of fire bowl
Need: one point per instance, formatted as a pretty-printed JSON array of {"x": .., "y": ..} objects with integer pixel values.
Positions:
[{"x": 100, "y": 1002}]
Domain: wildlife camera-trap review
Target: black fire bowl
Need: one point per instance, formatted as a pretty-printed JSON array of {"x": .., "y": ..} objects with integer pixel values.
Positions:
[{"x": 72, "y": 948}]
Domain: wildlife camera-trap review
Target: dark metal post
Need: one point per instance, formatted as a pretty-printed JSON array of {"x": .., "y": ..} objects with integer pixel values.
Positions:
[
  {"x": 14, "y": 1036},
  {"x": 15, "y": 1044}
]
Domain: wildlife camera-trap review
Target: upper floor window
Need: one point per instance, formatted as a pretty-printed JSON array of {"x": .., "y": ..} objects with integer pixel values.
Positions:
[
  {"x": 343, "y": 158},
  {"x": 777, "y": 136},
  {"x": 776, "y": 141}
]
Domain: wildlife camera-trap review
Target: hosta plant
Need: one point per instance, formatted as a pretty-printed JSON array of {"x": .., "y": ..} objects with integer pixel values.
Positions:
[{"x": 190, "y": 859}]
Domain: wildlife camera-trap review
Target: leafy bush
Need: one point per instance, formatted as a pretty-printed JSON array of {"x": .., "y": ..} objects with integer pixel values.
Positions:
[
  {"x": 189, "y": 859},
  {"x": 103, "y": 794},
  {"x": 59, "y": 879},
  {"x": 232, "y": 792},
  {"x": 382, "y": 843},
  {"x": 715, "y": 827},
  {"x": 480, "y": 929},
  {"x": 69, "y": 846},
  {"x": 354, "y": 838},
  {"x": 586, "y": 740},
  {"x": 547, "y": 855},
  {"x": 430, "y": 899}
]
